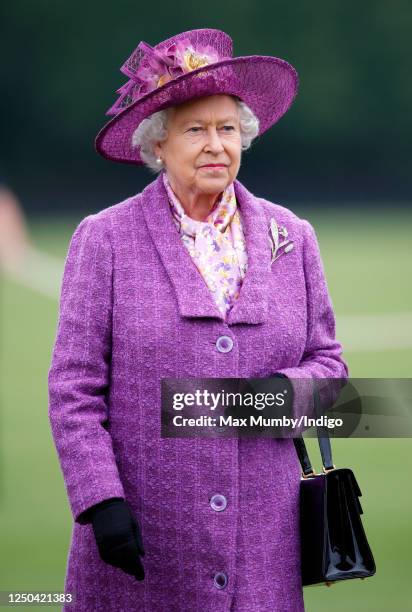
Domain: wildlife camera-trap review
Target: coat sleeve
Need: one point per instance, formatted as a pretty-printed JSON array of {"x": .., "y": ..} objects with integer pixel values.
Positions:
[
  {"x": 321, "y": 363},
  {"x": 78, "y": 377}
]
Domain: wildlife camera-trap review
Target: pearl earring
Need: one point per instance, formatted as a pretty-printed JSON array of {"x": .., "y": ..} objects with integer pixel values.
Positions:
[{"x": 159, "y": 160}]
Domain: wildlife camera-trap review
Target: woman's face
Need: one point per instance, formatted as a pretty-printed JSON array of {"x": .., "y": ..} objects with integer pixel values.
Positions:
[{"x": 202, "y": 132}]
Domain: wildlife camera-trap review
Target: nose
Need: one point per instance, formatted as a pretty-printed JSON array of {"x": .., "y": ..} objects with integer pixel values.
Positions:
[{"x": 214, "y": 144}]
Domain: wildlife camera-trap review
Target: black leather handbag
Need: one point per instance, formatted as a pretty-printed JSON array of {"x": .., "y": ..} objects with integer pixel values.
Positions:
[{"x": 333, "y": 541}]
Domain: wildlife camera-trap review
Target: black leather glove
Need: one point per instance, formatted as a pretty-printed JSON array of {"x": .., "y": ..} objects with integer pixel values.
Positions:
[
  {"x": 277, "y": 383},
  {"x": 118, "y": 536}
]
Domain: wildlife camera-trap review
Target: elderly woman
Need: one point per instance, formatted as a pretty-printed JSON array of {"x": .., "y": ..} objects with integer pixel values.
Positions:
[{"x": 194, "y": 277}]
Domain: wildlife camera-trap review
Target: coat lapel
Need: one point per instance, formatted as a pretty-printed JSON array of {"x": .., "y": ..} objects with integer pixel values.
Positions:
[
  {"x": 252, "y": 304},
  {"x": 193, "y": 295}
]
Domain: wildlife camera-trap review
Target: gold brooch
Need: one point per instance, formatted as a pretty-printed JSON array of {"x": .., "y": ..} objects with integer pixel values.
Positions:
[{"x": 275, "y": 243}]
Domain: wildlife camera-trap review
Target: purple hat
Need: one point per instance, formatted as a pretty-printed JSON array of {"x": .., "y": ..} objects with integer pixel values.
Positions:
[{"x": 191, "y": 65}]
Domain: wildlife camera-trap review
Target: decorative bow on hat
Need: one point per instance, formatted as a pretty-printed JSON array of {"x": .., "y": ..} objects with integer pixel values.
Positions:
[{"x": 150, "y": 68}]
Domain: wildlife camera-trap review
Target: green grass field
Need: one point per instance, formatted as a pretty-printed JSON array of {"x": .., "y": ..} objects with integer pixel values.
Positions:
[{"x": 368, "y": 267}]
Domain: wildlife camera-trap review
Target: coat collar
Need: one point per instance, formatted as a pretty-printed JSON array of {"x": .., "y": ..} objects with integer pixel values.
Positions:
[{"x": 193, "y": 295}]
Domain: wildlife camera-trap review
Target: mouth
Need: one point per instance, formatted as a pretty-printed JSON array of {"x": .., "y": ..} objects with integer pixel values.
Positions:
[{"x": 214, "y": 166}]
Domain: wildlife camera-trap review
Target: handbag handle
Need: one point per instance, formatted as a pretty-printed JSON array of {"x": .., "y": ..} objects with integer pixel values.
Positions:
[{"x": 324, "y": 445}]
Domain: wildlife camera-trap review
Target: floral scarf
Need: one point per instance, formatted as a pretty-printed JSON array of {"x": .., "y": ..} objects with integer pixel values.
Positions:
[{"x": 217, "y": 245}]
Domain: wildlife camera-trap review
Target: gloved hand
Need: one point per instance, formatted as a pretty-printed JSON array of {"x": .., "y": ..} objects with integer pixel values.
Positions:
[
  {"x": 118, "y": 536},
  {"x": 275, "y": 384},
  {"x": 258, "y": 388}
]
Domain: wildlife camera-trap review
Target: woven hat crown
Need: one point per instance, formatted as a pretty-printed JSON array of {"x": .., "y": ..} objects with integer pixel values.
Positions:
[{"x": 148, "y": 68}]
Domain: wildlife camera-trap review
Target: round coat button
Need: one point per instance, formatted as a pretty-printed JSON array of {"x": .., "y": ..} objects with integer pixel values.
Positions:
[
  {"x": 218, "y": 502},
  {"x": 224, "y": 344},
  {"x": 220, "y": 580}
]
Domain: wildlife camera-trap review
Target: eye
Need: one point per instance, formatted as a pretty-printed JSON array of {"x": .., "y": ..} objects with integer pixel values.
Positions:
[
  {"x": 194, "y": 130},
  {"x": 228, "y": 128}
]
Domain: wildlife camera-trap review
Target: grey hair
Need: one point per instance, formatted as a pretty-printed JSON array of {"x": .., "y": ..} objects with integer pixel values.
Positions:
[{"x": 154, "y": 129}]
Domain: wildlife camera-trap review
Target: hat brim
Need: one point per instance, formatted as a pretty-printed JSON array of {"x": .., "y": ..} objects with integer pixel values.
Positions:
[{"x": 268, "y": 85}]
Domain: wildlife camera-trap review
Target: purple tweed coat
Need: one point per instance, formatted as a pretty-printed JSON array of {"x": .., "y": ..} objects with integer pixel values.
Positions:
[{"x": 135, "y": 309}]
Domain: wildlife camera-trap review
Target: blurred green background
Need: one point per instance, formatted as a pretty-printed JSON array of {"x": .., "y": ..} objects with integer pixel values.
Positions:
[{"x": 340, "y": 158}]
